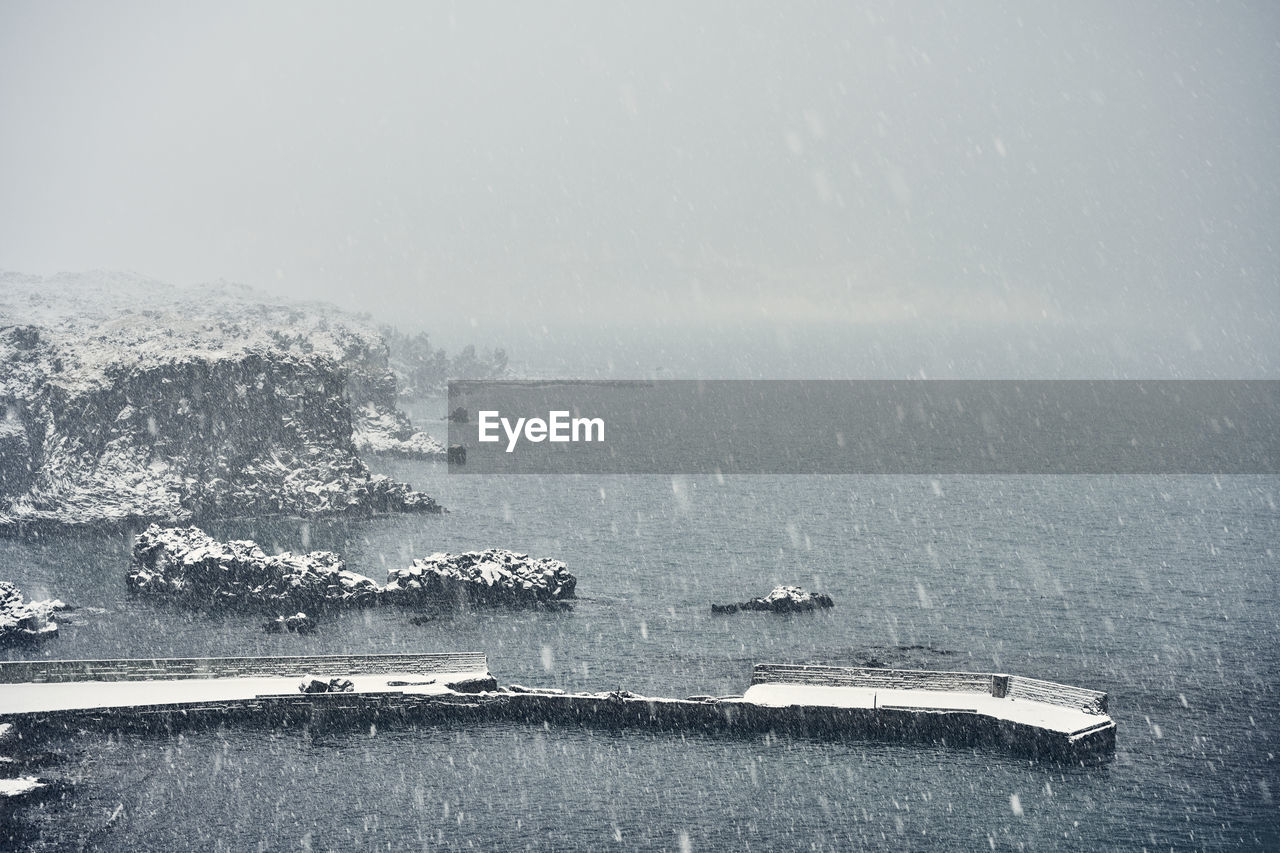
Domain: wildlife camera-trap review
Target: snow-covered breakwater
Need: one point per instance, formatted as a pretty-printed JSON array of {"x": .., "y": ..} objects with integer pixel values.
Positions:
[{"x": 1053, "y": 721}]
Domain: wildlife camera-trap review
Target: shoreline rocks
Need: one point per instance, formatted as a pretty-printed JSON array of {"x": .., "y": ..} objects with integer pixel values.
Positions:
[
  {"x": 189, "y": 566},
  {"x": 783, "y": 599},
  {"x": 388, "y": 431},
  {"x": 493, "y": 576},
  {"x": 26, "y": 621}
]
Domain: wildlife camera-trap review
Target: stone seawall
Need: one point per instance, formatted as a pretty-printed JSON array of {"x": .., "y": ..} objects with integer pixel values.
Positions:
[
  {"x": 150, "y": 669},
  {"x": 401, "y": 702},
  {"x": 359, "y": 710}
]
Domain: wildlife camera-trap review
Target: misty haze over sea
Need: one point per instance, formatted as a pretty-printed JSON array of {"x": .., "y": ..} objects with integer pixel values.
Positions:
[{"x": 968, "y": 189}]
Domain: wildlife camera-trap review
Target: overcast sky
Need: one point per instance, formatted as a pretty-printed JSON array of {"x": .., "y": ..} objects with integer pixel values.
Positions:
[{"x": 976, "y": 164}]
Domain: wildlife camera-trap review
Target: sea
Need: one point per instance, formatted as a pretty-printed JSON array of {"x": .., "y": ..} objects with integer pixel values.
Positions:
[{"x": 1159, "y": 590}]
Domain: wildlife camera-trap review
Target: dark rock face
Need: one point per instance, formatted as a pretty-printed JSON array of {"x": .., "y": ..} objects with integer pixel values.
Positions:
[
  {"x": 494, "y": 576},
  {"x": 164, "y": 407},
  {"x": 783, "y": 599},
  {"x": 188, "y": 565},
  {"x": 25, "y": 621}
]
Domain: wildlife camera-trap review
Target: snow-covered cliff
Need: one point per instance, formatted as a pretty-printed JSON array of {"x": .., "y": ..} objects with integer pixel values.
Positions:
[{"x": 122, "y": 398}]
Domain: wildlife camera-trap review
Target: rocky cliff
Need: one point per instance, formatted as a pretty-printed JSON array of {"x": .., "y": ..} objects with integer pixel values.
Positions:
[
  {"x": 23, "y": 621},
  {"x": 122, "y": 399}
]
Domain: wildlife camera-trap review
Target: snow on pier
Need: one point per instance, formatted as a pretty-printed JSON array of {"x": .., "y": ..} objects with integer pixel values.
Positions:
[
  {"x": 1022, "y": 715},
  {"x": 46, "y": 687},
  {"x": 1030, "y": 702}
]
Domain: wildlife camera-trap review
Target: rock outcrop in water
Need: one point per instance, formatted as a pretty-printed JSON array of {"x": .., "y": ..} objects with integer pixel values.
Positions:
[
  {"x": 389, "y": 431},
  {"x": 493, "y": 576},
  {"x": 122, "y": 400},
  {"x": 298, "y": 623},
  {"x": 188, "y": 565},
  {"x": 25, "y": 621},
  {"x": 783, "y": 599}
]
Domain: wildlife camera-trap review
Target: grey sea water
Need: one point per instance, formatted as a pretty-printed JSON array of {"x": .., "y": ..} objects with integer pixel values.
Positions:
[{"x": 1160, "y": 590}]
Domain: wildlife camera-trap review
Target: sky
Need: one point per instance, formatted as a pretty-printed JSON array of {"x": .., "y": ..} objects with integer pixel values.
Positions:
[{"x": 1080, "y": 171}]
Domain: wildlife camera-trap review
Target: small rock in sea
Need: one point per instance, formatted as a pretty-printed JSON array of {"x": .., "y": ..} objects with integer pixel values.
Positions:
[
  {"x": 783, "y": 599},
  {"x": 299, "y": 623},
  {"x": 493, "y": 576}
]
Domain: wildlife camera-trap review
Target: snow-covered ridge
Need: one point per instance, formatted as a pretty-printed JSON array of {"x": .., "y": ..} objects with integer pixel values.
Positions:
[{"x": 124, "y": 399}]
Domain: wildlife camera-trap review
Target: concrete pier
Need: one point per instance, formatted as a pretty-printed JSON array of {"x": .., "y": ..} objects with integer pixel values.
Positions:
[{"x": 1025, "y": 716}]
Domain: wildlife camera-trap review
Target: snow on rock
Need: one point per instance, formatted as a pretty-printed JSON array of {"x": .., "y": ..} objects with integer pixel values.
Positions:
[
  {"x": 318, "y": 685},
  {"x": 298, "y": 623},
  {"x": 125, "y": 400},
  {"x": 493, "y": 576},
  {"x": 389, "y": 431},
  {"x": 23, "y": 621},
  {"x": 189, "y": 565},
  {"x": 783, "y": 599},
  {"x": 473, "y": 684},
  {"x": 20, "y": 786}
]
